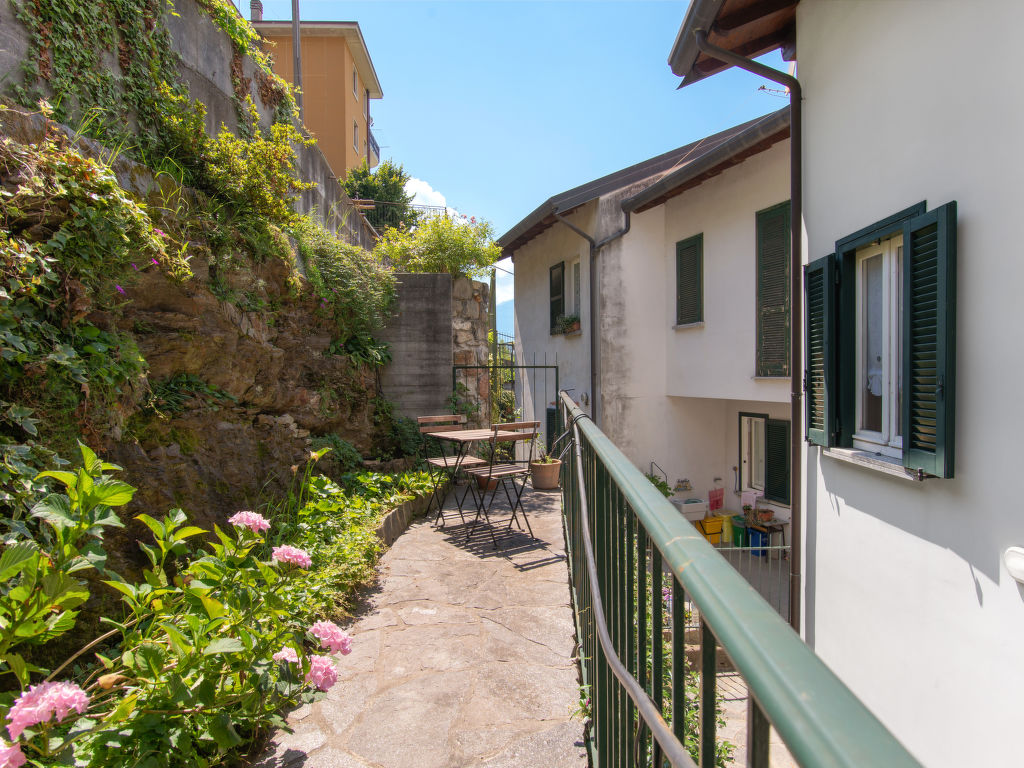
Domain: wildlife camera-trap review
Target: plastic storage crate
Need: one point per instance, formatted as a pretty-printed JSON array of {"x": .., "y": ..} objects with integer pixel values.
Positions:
[
  {"x": 759, "y": 539},
  {"x": 710, "y": 528},
  {"x": 739, "y": 531}
]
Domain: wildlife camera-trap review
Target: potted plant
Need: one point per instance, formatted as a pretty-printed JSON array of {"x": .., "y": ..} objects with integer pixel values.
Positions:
[
  {"x": 567, "y": 323},
  {"x": 544, "y": 470}
]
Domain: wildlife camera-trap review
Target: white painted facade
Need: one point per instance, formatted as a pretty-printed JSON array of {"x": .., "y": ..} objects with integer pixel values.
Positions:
[
  {"x": 906, "y": 596},
  {"x": 668, "y": 395},
  {"x": 534, "y": 343}
]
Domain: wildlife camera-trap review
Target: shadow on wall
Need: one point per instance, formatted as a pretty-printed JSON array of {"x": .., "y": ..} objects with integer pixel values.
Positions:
[{"x": 954, "y": 521}]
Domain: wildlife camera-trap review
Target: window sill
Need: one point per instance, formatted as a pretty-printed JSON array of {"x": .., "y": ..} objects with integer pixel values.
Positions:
[
  {"x": 873, "y": 461},
  {"x": 577, "y": 332},
  {"x": 684, "y": 326}
]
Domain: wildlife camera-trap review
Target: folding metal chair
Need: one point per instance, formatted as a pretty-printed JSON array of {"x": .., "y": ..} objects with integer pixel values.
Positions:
[
  {"x": 506, "y": 473},
  {"x": 444, "y": 467}
]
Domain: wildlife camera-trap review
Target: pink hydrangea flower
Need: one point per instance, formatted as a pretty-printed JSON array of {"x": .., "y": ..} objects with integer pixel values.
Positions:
[
  {"x": 254, "y": 521},
  {"x": 11, "y": 756},
  {"x": 293, "y": 555},
  {"x": 42, "y": 702},
  {"x": 332, "y": 636},
  {"x": 322, "y": 673},
  {"x": 286, "y": 654}
]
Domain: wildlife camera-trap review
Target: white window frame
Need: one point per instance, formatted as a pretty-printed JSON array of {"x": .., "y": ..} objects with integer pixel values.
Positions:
[
  {"x": 751, "y": 464},
  {"x": 355, "y": 135},
  {"x": 888, "y": 441},
  {"x": 355, "y": 85}
]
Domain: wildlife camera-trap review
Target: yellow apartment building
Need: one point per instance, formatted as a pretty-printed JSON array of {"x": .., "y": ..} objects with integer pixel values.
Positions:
[{"x": 338, "y": 81}]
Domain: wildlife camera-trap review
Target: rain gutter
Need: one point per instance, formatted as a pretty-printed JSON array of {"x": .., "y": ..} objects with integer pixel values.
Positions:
[
  {"x": 595, "y": 246},
  {"x": 795, "y": 298}
]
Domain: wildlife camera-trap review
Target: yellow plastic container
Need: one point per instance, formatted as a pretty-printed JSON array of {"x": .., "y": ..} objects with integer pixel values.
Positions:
[
  {"x": 726, "y": 528},
  {"x": 711, "y": 529}
]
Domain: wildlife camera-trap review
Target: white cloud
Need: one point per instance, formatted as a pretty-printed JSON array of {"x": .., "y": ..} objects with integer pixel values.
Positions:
[{"x": 424, "y": 194}]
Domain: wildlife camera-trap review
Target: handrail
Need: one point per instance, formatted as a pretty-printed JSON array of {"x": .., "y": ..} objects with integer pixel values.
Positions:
[
  {"x": 674, "y": 750},
  {"x": 819, "y": 719}
]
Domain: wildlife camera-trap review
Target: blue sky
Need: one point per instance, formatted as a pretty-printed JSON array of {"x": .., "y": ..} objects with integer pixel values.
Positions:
[{"x": 495, "y": 106}]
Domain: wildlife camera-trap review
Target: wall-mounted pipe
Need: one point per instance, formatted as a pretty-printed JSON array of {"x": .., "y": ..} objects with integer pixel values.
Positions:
[
  {"x": 595, "y": 246},
  {"x": 297, "y": 58},
  {"x": 795, "y": 298}
]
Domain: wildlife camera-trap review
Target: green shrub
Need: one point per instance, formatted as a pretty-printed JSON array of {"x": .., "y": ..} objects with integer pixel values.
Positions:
[
  {"x": 342, "y": 452},
  {"x": 355, "y": 288},
  {"x": 441, "y": 244},
  {"x": 186, "y": 675}
]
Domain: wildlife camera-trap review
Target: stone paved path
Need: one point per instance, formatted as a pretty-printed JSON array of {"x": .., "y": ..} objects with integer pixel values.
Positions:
[{"x": 462, "y": 657}]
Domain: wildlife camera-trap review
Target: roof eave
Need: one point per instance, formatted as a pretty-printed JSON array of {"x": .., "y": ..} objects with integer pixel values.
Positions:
[
  {"x": 700, "y": 15},
  {"x": 759, "y": 137},
  {"x": 353, "y": 35}
]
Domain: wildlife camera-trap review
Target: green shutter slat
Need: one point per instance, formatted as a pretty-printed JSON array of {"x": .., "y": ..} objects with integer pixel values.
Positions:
[
  {"x": 929, "y": 341},
  {"x": 690, "y": 280},
  {"x": 819, "y": 284},
  {"x": 773, "y": 250},
  {"x": 557, "y": 289},
  {"x": 776, "y": 460}
]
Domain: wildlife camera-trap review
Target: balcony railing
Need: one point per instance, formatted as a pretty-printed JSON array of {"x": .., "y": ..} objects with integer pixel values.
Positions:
[{"x": 638, "y": 569}]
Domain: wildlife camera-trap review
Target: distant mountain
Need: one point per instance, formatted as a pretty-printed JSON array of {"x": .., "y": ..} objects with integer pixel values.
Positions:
[{"x": 505, "y": 313}]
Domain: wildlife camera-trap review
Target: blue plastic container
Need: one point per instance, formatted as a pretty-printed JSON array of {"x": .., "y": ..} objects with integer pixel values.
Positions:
[{"x": 758, "y": 539}]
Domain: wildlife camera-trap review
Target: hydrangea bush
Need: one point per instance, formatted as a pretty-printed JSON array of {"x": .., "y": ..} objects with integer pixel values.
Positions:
[{"x": 214, "y": 641}]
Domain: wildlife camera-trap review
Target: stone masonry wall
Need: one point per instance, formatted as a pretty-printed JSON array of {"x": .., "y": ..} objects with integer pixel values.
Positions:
[{"x": 469, "y": 347}]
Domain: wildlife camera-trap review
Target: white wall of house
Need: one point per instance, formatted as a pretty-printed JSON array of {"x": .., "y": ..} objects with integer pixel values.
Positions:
[
  {"x": 906, "y": 595},
  {"x": 717, "y": 359},
  {"x": 673, "y": 395},
  {"x": 534, "y": 343}
]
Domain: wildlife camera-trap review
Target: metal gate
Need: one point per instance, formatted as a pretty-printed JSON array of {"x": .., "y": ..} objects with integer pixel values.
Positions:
[{"x": 494, "y": 394}]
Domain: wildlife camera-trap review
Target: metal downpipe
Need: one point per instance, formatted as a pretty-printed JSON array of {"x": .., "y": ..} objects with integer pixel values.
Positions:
[
  {"x": 595, "y": 246},
  {"x": 795, "y": 300}
]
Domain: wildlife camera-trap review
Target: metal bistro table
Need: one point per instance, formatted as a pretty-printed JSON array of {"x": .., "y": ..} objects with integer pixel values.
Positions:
[{"x": 463, "y": 440}]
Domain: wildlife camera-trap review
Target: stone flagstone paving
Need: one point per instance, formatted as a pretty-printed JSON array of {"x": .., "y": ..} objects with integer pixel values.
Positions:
[{"x": 463, "y": 656}]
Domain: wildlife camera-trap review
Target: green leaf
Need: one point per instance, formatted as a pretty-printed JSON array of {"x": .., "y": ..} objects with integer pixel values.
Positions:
[
  {"x": 69, "y": 479},
  {"x": 112, "y": 493},
  {"x": 213, "y": 608},
  {"x": 15, "y": 558},
  {"x": 124, "y": 710},
  {"x": 187, "y": 531},
  {"x": 124, "y": 588},
  {"x": 223, "y": 645},
  {"x": 156, "y": 527},
  {"x": 55, "y": 509},
  {"x": 224, "y": 733},
  {"x": 89, "y": 461},
  {"x": 18, "y": 667},
  {"x": 178, "y": 640}
]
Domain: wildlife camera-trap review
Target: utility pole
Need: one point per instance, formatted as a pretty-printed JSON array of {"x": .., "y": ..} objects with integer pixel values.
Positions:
[{"x": 297, "y": 58}]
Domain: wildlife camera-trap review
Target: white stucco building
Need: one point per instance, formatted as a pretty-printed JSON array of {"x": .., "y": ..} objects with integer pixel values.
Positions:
[
  {"x": 911, "y": 116},
  {"x": 689, "y": 362}
]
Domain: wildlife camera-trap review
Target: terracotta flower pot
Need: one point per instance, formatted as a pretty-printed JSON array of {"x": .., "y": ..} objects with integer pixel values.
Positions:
[
  {"x": 545, "y": 474},
  {"x": 486, "y": 483}
]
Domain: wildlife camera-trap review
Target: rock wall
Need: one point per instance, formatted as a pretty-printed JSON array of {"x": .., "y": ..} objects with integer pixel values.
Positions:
[{"x": 469, "y": 347}]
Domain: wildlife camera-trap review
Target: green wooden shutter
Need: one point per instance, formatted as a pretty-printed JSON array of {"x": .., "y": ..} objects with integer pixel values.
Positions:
[
  {"x": 819, "y": 350},
  {"x": 776, "y": 460},
  {"x": 773, "y": 249},
  {"x": 557, "y": 293},
  {"x": 929, "y": 341},
  {"x": 690, "y": 280}
]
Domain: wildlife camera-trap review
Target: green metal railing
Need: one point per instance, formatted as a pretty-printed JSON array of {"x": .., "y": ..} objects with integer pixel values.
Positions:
[{"x": 633, "y": 561}]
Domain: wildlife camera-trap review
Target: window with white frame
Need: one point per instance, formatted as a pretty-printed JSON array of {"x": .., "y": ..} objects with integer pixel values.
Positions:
[
  {"x": 752, "y": 452},
  {"x": 355, "y": 84},
  {"x": 765, "y": 456},
  {"x": 355, "y": 135},
  {"x": 880, "y": 341},
  {"x": 879, "y": 357}
]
